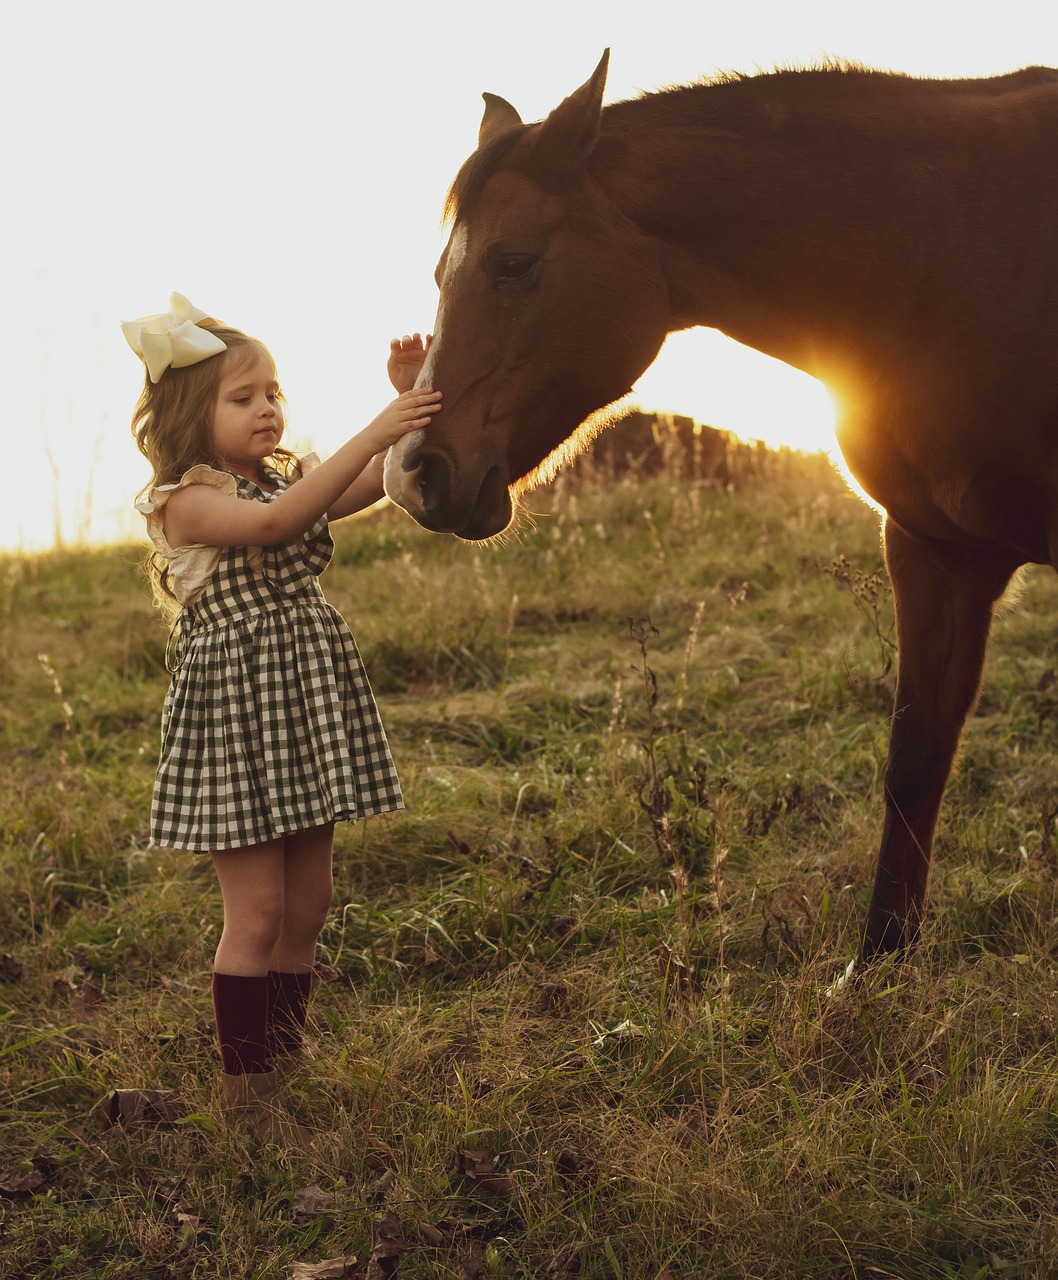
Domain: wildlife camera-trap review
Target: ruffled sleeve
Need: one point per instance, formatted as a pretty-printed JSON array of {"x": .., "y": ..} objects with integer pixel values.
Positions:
[{"x": 191, "y": 567}]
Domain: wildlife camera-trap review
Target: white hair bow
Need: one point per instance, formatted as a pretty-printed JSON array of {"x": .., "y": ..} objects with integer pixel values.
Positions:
[{"x": 172, "y": 338}]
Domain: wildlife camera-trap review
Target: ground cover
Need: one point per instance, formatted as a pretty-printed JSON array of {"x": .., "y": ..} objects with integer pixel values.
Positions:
[{"x": 573, "y": 1018}]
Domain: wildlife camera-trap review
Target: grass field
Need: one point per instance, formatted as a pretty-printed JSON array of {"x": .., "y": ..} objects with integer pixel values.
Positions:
[{"x": 573, "y": 1018}]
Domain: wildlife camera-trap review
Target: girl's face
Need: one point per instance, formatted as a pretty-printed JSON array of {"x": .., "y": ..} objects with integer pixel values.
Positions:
[{"x": 248, "y": 416}]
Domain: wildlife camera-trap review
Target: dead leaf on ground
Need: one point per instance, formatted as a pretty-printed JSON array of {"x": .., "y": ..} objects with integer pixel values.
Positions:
[
  {"x": 676, "y": 973},
  {"x": 479, "y": 1168},
  {"x": 472, "y": 1267},
  {"x": 189, "y": 1221},
  {"x": 131, "y": 1107},
  {"x": 389, "y": 1227},
  {"x": 385, "y": 1259},
  {"x": 20, "y": 1186},
  {"x": 309, "y": 1202},
  {"x": 451, "y": 1230},
  {"x": 388, "y": 1250},
  {"x": 45, "y": 1163},
  {"x": 85, "y": 1000},
  {"x": 378, "y": 1155},
  {"x": 333, "y": 977},
  {"x": 169, "y": 1194},
  {"x": 382, "y": 1186},
  {"x": 429, "y": 1234},
  {"x": 331, "y": 1269}
]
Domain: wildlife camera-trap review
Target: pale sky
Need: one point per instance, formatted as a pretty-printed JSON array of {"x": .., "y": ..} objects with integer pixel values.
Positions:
[{"x": 284, "y": 166}]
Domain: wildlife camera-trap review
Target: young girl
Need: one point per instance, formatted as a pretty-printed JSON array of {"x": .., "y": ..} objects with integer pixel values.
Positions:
[{"x": 270, "y": 733}]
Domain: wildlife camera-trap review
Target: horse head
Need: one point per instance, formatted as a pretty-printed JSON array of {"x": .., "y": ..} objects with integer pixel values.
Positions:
[{"x": 552, "y": 303}]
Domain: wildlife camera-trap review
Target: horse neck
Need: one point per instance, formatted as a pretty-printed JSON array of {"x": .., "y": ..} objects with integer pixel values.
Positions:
[{"x": 783, "y": 224}]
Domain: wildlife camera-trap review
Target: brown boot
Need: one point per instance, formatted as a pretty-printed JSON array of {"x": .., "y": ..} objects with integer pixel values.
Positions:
[{"x": 254, "y": 1103}]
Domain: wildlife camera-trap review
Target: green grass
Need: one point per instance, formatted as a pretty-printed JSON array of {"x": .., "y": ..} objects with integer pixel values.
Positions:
[{"x": 574, "y": 1018}]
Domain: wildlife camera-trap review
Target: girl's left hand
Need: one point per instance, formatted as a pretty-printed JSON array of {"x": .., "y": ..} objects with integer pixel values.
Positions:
[{"x": 405, "y": 359}]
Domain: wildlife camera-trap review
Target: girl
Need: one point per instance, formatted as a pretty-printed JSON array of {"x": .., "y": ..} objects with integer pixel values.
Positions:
[{"x": 270, "y": 733}]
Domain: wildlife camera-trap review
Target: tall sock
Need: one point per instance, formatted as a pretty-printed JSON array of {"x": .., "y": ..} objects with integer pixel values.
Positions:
[
  {"x": 288, "y": 1006},
  {"x": 241, "y": 1008}
]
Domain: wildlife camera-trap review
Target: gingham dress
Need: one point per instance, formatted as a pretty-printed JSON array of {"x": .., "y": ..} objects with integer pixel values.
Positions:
[{"x": 269, "y": 725}]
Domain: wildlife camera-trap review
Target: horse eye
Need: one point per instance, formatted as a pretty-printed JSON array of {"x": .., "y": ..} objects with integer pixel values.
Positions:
[{"x": 512, "y": 268}]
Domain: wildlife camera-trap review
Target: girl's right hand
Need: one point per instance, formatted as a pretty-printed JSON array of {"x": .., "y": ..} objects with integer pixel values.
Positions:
[
  {"x": 410, "y": 411},
  {"x": 406, "y": 356}
]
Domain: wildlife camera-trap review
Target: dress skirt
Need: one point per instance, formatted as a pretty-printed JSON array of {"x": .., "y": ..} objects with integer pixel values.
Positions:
[{"x": 269, "y": 726}]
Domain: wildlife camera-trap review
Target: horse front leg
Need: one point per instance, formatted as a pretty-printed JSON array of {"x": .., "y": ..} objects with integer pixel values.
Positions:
[{"x": 944, "y": 597}]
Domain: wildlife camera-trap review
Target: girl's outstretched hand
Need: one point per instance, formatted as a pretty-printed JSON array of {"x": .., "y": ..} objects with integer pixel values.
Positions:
[
  {"x": 410, "y": 411},
  {"x": 405, "y": 359}
]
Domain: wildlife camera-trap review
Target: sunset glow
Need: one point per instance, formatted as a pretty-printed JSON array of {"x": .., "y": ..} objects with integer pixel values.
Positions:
[{"x": 715, "y": 381}]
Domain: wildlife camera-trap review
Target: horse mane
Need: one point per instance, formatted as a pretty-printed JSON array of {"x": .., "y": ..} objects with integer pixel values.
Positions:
[
  {"x": 748, "y": 103},
  {"x": 476, "y": 170}
]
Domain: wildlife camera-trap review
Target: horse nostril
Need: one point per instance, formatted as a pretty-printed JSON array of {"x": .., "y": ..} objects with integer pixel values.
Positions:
[{"x": 433, "y": 476}]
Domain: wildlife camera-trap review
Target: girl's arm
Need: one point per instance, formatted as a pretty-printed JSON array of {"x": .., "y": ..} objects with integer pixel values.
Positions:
[
  {"x": 364, "y": 492},
  {"x": 199, "y": 514}
]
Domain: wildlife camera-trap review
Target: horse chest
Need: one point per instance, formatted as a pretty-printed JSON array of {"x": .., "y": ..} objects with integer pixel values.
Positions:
[{"x": 954, "y": 498}]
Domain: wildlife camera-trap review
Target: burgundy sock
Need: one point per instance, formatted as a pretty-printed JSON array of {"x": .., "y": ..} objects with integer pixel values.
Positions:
[
  {"x": 241, "y": 1008},
  {"x": 288, "y": 1006}
]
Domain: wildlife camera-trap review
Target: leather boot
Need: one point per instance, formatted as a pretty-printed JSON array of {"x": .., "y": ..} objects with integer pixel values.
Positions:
[{"x": 254, "y": 1103}]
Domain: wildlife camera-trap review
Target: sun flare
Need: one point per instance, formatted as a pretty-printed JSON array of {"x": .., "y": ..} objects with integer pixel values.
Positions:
[{"x": 718, "y": 382}]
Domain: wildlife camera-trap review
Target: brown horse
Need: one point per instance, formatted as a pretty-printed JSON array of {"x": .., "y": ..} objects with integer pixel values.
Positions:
[{"x": 896, "y": 238}]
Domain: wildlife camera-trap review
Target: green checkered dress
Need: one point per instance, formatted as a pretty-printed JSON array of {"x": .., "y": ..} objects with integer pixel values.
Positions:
[{"x": 269, "y": 726}]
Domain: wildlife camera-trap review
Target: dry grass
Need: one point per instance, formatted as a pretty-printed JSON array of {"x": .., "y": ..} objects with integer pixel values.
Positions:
[{"x": 574, "y": 1019}]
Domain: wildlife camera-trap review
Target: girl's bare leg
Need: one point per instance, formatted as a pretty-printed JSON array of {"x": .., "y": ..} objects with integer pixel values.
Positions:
[
  {"x": 308, "y": 900},
  {"x": 251, "y": 1029},
  {"x": 253, "y": 887},
  {"x": 308, "y": 886}
]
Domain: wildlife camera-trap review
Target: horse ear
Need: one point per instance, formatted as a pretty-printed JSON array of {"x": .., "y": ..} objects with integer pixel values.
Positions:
[
  {"x": 566, "y": 137},
  {"x": 498, "y": 118}
]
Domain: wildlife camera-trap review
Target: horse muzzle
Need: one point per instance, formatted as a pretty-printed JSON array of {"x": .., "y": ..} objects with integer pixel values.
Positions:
[{"x": 423, "y": 480}]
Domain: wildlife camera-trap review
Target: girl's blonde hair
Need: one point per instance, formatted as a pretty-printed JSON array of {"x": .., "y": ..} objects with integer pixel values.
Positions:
[{"x": 173, "y": 428}]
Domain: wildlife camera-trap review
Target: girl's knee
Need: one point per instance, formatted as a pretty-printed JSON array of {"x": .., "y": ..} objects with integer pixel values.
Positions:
[
  {"x": 307, "y": 914},
  {"x": 258, "y": 932},
  {"x": 307, "y": 922}
]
